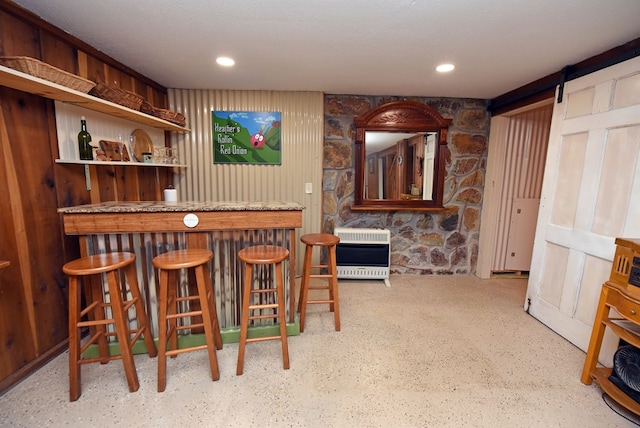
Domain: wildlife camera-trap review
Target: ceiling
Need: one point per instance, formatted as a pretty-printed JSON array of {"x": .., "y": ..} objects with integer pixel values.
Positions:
[{"x": 367, "y": 47}]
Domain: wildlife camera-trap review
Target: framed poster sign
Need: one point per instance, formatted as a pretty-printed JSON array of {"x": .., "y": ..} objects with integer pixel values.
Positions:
[{"x": 247, "y": 137}]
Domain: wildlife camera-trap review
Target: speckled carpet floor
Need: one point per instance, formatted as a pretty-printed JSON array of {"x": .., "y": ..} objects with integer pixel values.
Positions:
[{"x": 430, "y": 351}]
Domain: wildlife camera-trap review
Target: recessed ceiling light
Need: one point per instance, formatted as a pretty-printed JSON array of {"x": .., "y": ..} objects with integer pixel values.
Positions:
[
  {"x": 445, "y": 68},
  {"x": 225, "y": 61}
]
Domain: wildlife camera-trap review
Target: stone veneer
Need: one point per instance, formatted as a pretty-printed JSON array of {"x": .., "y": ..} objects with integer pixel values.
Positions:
[{"x": 422, "y": 242}]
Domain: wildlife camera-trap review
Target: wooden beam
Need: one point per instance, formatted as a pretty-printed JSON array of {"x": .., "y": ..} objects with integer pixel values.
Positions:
[{"x": 544, "y": 88}]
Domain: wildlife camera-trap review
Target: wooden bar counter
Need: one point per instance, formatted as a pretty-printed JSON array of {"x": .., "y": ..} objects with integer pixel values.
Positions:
[{"x": 152, "y": 228}]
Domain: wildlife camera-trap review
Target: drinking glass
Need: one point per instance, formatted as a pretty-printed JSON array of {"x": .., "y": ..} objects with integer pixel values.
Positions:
[{"x": 159, "y": 154}]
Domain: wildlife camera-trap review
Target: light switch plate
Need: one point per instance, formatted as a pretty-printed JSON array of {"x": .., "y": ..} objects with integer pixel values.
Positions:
[{"x": 307, "y": 188}]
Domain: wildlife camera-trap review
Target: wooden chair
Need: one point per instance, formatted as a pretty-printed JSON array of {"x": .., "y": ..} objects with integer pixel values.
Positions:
[
  {"x": 329, "y": 242},
  {"x": 91, "y": 270},
  {"x": 263, "y": 255},
  {"x": 171, "y": 304}
]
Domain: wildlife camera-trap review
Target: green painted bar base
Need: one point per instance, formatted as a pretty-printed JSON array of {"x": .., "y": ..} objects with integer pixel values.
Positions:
[{"x": 231, "y": 335}]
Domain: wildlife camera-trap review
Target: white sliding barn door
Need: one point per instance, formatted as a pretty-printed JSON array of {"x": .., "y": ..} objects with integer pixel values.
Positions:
[{"x": 590, "y": 196}]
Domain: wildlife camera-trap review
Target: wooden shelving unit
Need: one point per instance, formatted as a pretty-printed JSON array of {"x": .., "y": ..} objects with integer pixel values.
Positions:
[
  {"x": 619, "y": 311},
  {"x": 44, "y": 88}
]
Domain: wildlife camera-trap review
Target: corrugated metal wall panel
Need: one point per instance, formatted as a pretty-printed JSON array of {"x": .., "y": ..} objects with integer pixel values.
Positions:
[
  {"x": 527, "y": 140},
  {"x": 302, "y": 117}
]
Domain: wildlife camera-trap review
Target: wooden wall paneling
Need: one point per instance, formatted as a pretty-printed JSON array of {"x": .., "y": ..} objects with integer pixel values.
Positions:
[
  {"x": 18, "y": 343},
  {"x": 91, "y": 171},
  {"x": 58, "y": 53},
  {"x": 33, "y": 312},
  {"x": 96, "y": 69},
  {"x": 160, "y": 98},
  {"x": 154, "y": 96},
  {"x": 101, "y": 72},
  {"x": 36, "y": 312},
  {"x": 15, "y": 163},
  {"x": 143, "y": 89},
  {"x": 149, "y": 182},
  {"x": 71, "y": 190},
  {"x": 17, "y": 37},
  {"x": 24, "y": 16},
  {"x": 71, "y": 185},
  {"x": 120, "y": 79},
  {"x": 33, "y": 161},
  {"x": 83, "y": 66},
  {"x": 105, "y": 182},
  {"x": 127, "y": 182},
  {"x": 70, "y": 179},
  {"x": 58, "y": 296},
  {"x": 165, "y": 179}
]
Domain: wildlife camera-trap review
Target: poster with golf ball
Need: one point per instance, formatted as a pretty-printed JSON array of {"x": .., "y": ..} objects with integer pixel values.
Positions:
[{"x": 247, "y": 137}]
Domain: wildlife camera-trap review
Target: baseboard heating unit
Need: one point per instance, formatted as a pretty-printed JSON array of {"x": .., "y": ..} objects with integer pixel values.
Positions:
[{"x": 363, "y": 253}]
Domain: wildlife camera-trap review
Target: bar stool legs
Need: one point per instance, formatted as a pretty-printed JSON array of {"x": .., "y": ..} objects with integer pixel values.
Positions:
[
  {"x": 319, "y": 240},
  {"x": 262, "y": 255},
  {"x": 169, "y": 265},
  {"x": 90, "y": 269}
]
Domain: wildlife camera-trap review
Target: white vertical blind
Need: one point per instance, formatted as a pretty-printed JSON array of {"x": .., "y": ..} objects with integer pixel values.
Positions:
[{"x": 302, "y": 116}]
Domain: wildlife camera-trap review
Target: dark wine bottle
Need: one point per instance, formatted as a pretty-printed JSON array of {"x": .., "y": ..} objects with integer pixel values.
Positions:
[{"x": 84, "y": 138}]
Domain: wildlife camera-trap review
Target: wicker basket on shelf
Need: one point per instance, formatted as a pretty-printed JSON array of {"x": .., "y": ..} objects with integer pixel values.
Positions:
[
  {"x": 42, "y": 70},
  {"x": 161, "y": 113},
  {"x": 117, "y": 95}
]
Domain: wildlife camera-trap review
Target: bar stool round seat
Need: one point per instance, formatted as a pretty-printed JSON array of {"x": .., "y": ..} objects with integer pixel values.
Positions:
[
  {"x": 201, "y": 310},
  {"x": 91, "y": 270},
  {"x": 263, "y": 255},
  {"x": 320, "y": 240}
]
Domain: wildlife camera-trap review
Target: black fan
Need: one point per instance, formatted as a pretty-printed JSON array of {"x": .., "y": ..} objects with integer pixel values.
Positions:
[{"x": 626, "y": 371}]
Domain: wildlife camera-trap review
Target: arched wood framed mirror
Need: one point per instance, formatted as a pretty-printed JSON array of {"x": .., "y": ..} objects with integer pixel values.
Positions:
[{"x": 399, "y": 157}]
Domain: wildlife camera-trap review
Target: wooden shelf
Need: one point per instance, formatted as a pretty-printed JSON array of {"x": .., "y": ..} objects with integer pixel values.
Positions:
[
  {"x": 624, "y": 330},
  {"x": 601, "y": 375},
  {"x": 619, "y": 310},
  {"x": 44, "y": 88},
  {"x": 118, "y": 163}
]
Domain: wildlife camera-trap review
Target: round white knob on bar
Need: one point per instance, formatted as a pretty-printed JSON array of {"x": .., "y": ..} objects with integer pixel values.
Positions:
[{"x": 191, "y": 220}]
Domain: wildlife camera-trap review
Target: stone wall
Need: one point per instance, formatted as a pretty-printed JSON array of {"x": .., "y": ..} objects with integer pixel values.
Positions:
[{"x": 422, "y": 242}]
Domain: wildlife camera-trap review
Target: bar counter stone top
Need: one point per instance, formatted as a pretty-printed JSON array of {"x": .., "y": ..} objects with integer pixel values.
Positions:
[
  {"x": 148, "y": 228},
  {"x": 180, "y": 206}
]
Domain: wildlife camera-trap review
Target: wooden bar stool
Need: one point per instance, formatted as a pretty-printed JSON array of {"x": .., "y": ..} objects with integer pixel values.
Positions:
[
  {"x": 263, "y": 255},
  {"x": 91, "y": 269},
  {"x": 319, "y": 240},
  {"x": 171, "y": 304}
]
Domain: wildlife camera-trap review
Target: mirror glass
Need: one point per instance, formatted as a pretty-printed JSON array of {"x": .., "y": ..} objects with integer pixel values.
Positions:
[
  {"x": 400, "y": 157},
  {"x": 399, "y": 165}
]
